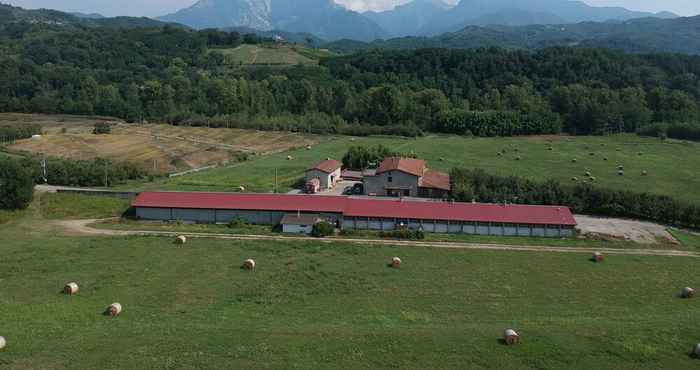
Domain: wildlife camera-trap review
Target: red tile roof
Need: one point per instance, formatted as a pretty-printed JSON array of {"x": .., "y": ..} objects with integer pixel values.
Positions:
[
  {"x": 327, "y": 166},
  {"x": 435, "y": 179},
  {"x": 361, "y": 207},
  {"x": 411, "y": 166}
]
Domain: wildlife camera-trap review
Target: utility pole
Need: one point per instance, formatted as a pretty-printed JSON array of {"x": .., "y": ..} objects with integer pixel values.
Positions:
[
  {"x": 43, "y": 169},
  {"x": 275, "y": 180}
]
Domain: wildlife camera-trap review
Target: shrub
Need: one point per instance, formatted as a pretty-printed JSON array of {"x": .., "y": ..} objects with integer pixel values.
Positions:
[
  {"x": 16, "y": 184},
  {"x": 237, "y": 223},
  {"x": 322, "y": 229},
  {"x": 102, "y": 128},
  {"x": 404, "y": 233}
]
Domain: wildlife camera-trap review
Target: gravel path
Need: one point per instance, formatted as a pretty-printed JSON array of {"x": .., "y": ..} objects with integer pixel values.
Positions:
[{"x": 81, "y": 227}]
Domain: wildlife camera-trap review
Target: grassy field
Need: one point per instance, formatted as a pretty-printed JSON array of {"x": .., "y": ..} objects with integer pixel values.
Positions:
[
  {"x": 315, "y": 305},
  {"x": 59, "y": 206},
  {"x": 163, "y": 147},
  {"x": 269, "y": 55},
  {"x": 671, "y": 165}
]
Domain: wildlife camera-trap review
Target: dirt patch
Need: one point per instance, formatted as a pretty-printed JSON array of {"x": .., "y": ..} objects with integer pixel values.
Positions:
[{"x": 618, "y": 229}]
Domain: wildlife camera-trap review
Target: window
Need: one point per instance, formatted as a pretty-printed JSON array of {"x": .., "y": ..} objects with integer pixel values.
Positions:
[{"x": 390, "y": 179}]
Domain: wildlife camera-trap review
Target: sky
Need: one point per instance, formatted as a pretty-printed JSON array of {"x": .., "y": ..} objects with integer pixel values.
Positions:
[{"x": 151, "y": 8}]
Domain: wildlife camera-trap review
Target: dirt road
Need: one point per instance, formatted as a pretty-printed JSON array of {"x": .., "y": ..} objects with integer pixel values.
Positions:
[{"x": 82, "y": 227}]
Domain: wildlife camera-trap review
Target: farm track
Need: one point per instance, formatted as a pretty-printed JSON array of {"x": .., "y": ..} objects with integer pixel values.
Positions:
[{"x": 82, "y": 227}]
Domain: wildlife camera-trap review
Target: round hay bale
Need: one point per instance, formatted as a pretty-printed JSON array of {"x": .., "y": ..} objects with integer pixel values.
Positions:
[
  {"x": 696, "y": 350},
  {"x": 180, "y": 240},
  {"x": 249, "y": 264},
  {"x": 71, "y": 288},
  {"x": 588, "y": 174},
  {"x": 3, "y": 342},
  {"x": 592, "y": 179},
  {"x": 114, "y": 309},
  {"x": 574, "y": 179},
  {"x": 621, "y": 173},
  {"x": 308, "y": 147},
  {"x": 598, "y": 257},
  {"x": 241, "y": 188},
  {"x": 396, "y": 262},
  {"x": 620, "y": 167},
  {"x": 511, "y": 337},
  {"x": 574, "y": 160},
  {"x": 518, "y": 158},
  {"x": 290, "y": 158},
  {"x": 688, "y": 292},
  {"x": 645, "y": 173}
]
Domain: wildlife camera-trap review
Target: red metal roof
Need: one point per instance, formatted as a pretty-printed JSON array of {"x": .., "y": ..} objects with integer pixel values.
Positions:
[
  {"x": 327, "y": 166},
  {"x": 411, "y": 166},
  {"x": 252, "y": 202},
  {"x": 361, "y": 207}
]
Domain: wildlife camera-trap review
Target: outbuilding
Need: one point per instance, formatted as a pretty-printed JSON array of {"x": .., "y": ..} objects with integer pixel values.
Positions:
[
  {"x": 299, "y": 223},
  {"x": 327, "y": 172},
  {"x": 359, "y": 213}
]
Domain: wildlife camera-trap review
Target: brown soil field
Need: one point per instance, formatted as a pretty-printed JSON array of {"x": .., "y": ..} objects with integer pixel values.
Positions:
[{"x": 165, "y": 148}]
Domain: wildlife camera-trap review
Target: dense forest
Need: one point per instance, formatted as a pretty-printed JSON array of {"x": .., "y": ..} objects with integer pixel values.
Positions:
[{"x": 182, "y": 76}]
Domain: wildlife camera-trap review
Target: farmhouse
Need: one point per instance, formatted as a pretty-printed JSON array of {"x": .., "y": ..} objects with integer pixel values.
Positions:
[
  {"x": 358, "y": 213},
  {"x": 323, "y": 175},
  {"x": 407, "y": 177}
]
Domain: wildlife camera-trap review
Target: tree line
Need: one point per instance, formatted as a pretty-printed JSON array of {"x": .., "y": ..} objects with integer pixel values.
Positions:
[
  {"x": 182, "y": 76},
  {"x": 476, "y": 185}
]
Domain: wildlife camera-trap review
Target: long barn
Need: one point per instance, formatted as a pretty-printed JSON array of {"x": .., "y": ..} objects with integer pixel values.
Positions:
[{"x": 359, "y": 213}]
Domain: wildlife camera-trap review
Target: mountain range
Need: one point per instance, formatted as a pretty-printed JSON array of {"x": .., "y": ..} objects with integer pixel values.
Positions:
[
  {"x": 328, "y": 20},
  {"x": 643, "y": 35}
]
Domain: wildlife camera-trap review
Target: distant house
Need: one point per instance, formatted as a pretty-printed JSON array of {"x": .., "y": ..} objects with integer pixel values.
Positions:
[
  {"x": 327, "y": 173},
  {"x": 299, "y": 223},
  {"x": 407, "y": 177}
]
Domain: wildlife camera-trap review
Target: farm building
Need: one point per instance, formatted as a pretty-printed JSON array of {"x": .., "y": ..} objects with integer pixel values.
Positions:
[
  {"x": 327, "y": 173},
  {"x": 407, "y": 177},
  {"x": 359, "y": 213}
]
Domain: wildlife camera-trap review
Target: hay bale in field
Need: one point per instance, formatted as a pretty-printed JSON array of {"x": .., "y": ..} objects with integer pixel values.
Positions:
[
  {"x": 574, "y": 160},
  {"x": 290, "y": 158},
  {"x": 696, "y": 351},
  {"x": 645, "y": 173},
  {"x": 241, "y": 189},
  {"x": 597, "y": 257},
  {"x": 621, "y": 173},
  {"x": 114, "y": 309},
  {"x": 620, "y": 167},
  {"x": 588, "y": 174},
  {"x": 249, "y": 264},
  {"x": 3, "y": 342},
  {"x": 688, "y": 292},
  {"x": 308, "y": 147},
  {"x": 574, "y": 179},
  {"x": 511, "y": 337},
  {"x": 71, "y": 288},
  {"x": 592, "y": 179},
  {"x": 396, "y": 262},
  {"x": 518, "y": 158},
  {"x": 180, "y": 240}
]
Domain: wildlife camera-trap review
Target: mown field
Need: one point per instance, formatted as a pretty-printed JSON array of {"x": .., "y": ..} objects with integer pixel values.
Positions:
[
  {"x": 317, "y": 305},
  {"x": 268, "y": 55},
  {"x": 671, "y": 165},
  {"x": 165, "y": 148}
]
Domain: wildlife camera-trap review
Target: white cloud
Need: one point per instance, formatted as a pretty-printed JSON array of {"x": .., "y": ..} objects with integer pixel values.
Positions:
[{"x": 364, "y": 5}]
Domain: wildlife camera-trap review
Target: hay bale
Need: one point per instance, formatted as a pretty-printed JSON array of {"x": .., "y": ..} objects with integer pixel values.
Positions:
[
  {"x": 592, "y": 179},
  {"x": 249, "y": 264},
  {"x": 180, "y": 240},
  {"x": 308, "y": 147},
  {"x": 645, "y": 173},
  {"x": 574, "y": 179},
  {"x": 3, "y": 342},
  {"x": 574, "y": 160},
  {"x": 290, "y": 158},
  {"x": 598, "y": 257},
  {"x": 518, "y": 158},
  {"x": 511, "y": 337},
  {"x": 588, "y": 174},
  {"x": 71, "y": 289},
  {"x": 688, "y": 292},
  {"x": 241, "y": 189},
  {"x": 396, "y": 262},
  {"x": 114, "y": 309},
  {"x": 696, "y": 350},
  {"x": 620, "y": 167},
  {"x": 621, "y": 173}
]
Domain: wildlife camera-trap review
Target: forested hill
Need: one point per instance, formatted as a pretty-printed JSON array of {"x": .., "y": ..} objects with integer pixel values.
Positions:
[
  {"x": 10, "y": 15},
  {"x": 183, "y": 76},
  {"x": 645, "y": 35}
]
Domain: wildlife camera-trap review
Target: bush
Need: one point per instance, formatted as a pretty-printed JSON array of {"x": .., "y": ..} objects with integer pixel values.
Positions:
[
  {"x": 102, "y": 128},
  {"x": 16, "y": 184},
  {"x": 237, "y": 223},
  {"x": 322, "y": 230},
  {"x": 404, "y": 233}
]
